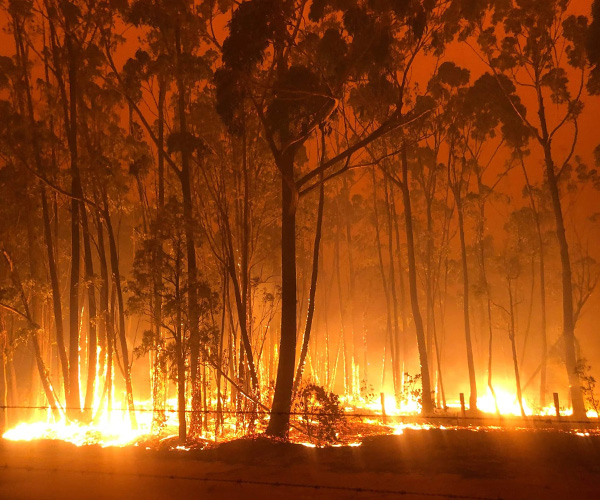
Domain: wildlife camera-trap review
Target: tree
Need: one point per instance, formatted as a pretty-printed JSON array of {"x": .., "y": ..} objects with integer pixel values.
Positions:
[
  {"x": 295, "y": 79},
  {"x": 525, "y": 54}
]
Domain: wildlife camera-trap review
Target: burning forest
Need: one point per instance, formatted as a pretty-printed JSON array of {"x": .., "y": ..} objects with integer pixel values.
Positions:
[{"x": 312, "y": 222}]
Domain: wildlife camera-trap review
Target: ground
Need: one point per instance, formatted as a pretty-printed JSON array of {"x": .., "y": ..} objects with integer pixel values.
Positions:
[{"x": 419, "y": 464}]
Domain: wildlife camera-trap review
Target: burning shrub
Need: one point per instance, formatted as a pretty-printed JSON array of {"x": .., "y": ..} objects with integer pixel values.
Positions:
[
  {"x": 588, "y": 386},
  {"x": 412, "y": 394},
  {"x": 319, "y": 414}
]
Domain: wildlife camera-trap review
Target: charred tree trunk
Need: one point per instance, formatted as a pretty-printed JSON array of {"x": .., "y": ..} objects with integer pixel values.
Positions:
[
  {"x": 192, "y": 268},
  {"x": 56, "y": 302},
  {"x": 484, "y": 279},
  {"x": 104, "y": 325},
  {"x": 403, "y": 310},
  {"x": 543, "y": 324},
  {"x": 427, "y": 407},
  {"x": 3, "y": 377},
  {"x": 282, "y": 400},
  {"x": 343, "y": 341},
  {"x": 456, "y": 182},
  {"x": 571, "y": 361},
  {"x": 513, "y": 344},
  {"x": 73, "y": 401},
  {"x": 467, "y": 321},
  {"x": 352, "y": 288},
  {"x": 159, "y": 361},
  {"x": 313, "y": 288},
  {"x": 180, "y": 354},
  {"x": 384, "y": 284},
  {"x": 92, "y": 314},
  {"x": 114, "y": 264},
  {"x": 395, "y": 335}
]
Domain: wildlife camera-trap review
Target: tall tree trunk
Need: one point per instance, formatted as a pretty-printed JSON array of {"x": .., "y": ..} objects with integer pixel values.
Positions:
[
  {"x": 403, "y": 309},
  {"x": 74, "y": 398},
  {"x": 352, "y": 288},
  {"x": 395, "y": 335},
  {"x": 571, "y": 361},
  {"x": 427, "y": 407},
  {"x": 180, "y": 354},
  {"x": 114, "y": 264},
  {"x": 567, "y": 286},
  {"x": 219, "y": 420},
  {"x": 343, "y": 341},
  {"x": 104, "y": 321},
  {"x": 513, "y": 345},
  {"x": 92, "y": 316},
  {"x": 56, "y": 302},
  {"x": 384, "y": 284},
  {"x": 313, "y": 287},
  {"x": 482, "y": 267},
  {"x": 429, "y": 287},
  {"x": 159, "y": 358},
  {"x": 467, "y": 321},
  {"x": 181, "y": 406},
  {"x": 456, "y": 183},
  {"x": 192, "y": 269},
  {"x": 282, "y": 400},
  {"x": 540, "y": 236},
  {"x": 3, "y": 377}
]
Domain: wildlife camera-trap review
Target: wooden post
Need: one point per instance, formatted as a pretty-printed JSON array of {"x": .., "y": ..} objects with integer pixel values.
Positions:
[
  {"x": 383, "y": 415},
  {"x": 556, "y": 405},
  {"x": 463, "y": 412}
]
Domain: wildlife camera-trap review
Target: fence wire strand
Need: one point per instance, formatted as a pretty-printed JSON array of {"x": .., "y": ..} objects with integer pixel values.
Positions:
[
  {"x": 563, "y": 419},
  {"x": 253, "y": 482}
]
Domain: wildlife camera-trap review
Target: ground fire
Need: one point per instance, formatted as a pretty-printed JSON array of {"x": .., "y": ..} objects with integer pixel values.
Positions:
[{"x": 331, "y": 232}]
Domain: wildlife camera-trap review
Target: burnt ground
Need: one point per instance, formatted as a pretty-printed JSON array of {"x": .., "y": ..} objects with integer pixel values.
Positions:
[{"x": 420, "y": 464}]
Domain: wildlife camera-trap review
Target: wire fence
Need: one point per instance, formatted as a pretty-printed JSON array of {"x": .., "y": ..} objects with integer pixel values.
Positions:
[
  {"x": 374, "y": 415},
  {"x": 248, "y": 482}
]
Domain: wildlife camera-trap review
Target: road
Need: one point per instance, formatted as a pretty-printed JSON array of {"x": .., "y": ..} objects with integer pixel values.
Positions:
[{"x": 423, "y": 464}]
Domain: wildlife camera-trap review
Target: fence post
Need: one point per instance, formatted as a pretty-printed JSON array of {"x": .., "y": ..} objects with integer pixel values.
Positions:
[
  {"x": 463, "y": 412},
  {"x": 383, "y": 415},
  {"x": 556, "y": 405}
]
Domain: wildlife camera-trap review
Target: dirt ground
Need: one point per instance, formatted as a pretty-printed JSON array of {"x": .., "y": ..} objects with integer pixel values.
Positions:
[{"x": 419, "y": 464}]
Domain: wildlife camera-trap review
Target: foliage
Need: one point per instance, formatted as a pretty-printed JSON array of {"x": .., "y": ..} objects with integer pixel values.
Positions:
[
  {"x": 320, "y": 413},
  {"x": 412, "y": 391},
  {"x": 588, "y": 386}
]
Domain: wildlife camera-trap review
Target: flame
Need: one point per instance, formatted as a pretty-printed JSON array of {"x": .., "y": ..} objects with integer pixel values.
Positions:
[
  {"x": 508, "y": 403},
  {"x": 113, "y": 428}
]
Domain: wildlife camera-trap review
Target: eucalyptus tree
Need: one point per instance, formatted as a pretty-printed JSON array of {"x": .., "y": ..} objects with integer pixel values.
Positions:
[
  {"x": 490, "y": 124},
  {"x": 593, "y": 49},
  {"x": 178, "y": 30},
  {"x": 71, "y": 37},
  {"x": 35, "y": 156},
  {"x": 294, "y": 62},
  {"x": 538, "y": 203},
  {"x": 20, "y": 286},
  {"x": 521, "y": 45},
  {"x": 510, "y": 264},
  {"x": 149, "y": 71},
  {"x": 459, "y": 172}
]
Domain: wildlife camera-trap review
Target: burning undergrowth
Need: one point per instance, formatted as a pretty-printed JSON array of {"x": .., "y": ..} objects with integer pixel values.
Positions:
[{"x": 312, "y": 425}]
